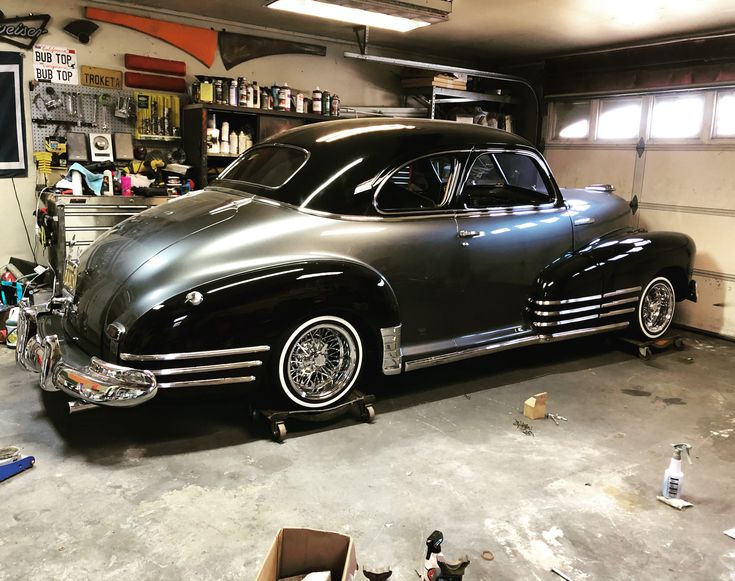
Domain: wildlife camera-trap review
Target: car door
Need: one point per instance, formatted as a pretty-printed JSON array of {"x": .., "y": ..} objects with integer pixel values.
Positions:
[
  {"x": 511, "y": 223},
  {"x": 416, "y": 248}
]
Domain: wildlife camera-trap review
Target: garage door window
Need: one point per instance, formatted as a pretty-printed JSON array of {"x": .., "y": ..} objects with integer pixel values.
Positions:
[
  {"x": 619, "y": 119},
  {"x": 572, "y": 120},
  {"x": 725, "y": 116},
  {"x": 677, "y": 117}
]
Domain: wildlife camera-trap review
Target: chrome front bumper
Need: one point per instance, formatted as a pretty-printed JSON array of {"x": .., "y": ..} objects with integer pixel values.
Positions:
[{"x": 63, "y": 366}]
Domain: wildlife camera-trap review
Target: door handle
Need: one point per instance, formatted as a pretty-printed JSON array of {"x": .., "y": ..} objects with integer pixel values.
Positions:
[{"x": 470, "y": 233}]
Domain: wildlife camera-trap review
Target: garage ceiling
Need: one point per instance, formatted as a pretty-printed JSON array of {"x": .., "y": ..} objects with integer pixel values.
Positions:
[{"x": 485, "y": 30}]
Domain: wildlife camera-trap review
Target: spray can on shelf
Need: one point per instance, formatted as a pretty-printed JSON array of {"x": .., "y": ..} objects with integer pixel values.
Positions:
[
  {"x": 674, "y": 476},
  {"x": 284, "y": 98},
  {"x": 196, "y": 91},
  {"x": 264, "y": 99},
  {"x": 335, "y": 106},
  {"x": 232, "y": 92},
  {"x": 299, "y": 102},
  {"x": 326, "y": 103},
  {"x": 250, "y": 99},
  {"x": 243, "y": 102},
  {"x": 218, "y": 92},
  {"x": 275, "y": 89},
  {"x": 316, "y": 102},
  {"x": 256, "y": 95}
]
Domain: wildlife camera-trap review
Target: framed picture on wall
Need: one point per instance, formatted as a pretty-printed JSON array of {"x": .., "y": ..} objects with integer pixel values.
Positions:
[{"x": 13, "y": 159}]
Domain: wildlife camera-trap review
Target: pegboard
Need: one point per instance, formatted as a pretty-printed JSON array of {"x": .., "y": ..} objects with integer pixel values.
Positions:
[{"x": 44, "y": 121}]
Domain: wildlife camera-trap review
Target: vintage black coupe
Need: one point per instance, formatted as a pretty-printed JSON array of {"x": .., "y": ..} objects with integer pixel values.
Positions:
[{"x": 346, "y": 247}]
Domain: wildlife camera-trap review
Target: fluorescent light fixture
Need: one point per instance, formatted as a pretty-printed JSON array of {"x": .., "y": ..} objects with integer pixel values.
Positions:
[{"x": 398, "y": 15}]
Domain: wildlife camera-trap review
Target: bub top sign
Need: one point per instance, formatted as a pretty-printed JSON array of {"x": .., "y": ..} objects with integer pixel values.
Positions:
[{"x": 55, "y": 64}]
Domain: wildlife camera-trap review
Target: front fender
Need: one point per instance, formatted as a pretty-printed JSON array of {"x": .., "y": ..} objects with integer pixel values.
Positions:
[
  {"x": 254, "y": 308},
  {"x": 600, "y": 284}
]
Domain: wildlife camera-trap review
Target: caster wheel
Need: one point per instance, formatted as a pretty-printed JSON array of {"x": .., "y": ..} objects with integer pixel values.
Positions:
[
  {"x": 679, "y": 343},
  {"x": 279, "y": 432},
  {"x": 644, "y": 353},
  {"x": 368, "y": 414}
]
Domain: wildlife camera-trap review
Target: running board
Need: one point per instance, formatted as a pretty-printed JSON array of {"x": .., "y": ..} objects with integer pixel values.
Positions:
[{"x": 509, "y": 344}]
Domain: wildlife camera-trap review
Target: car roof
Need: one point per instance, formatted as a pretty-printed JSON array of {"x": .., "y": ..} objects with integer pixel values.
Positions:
[{"x": 348, "y": 136}]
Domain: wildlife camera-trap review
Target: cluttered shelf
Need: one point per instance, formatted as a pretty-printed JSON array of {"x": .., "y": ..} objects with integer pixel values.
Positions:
[{"x": 219, "y": 108}]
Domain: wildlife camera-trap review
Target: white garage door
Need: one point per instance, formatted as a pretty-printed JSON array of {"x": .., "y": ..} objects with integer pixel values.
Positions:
[{"x": 683, "y": 173}]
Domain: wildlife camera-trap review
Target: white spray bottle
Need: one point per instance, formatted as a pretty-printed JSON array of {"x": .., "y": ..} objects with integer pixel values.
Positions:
[{"x": 674, "y": 477}]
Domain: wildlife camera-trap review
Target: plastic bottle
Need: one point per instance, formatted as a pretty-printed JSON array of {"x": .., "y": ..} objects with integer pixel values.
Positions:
[
  {"x": 232, "y": 92},
  {"x": 241, "y": 141},
  {"x": 234, "y": 143},
  {"x": 673, "y": 476}
]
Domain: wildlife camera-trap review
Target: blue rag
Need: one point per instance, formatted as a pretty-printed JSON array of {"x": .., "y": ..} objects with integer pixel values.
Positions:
[{"x": 94, "y": 180}]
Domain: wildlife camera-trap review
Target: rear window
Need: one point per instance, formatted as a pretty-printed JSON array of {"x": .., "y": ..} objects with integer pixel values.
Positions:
[{"x": 267, "y": 166}]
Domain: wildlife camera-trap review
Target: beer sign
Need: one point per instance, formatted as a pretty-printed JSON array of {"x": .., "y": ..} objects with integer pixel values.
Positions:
[
  {"x": 101, "y": 78},
  {"x": 55, "y": 64},
  {"x": 23, "y": 31}
]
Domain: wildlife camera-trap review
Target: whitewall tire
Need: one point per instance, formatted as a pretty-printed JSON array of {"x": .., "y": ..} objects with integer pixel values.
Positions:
[
  {"x": 320, "y": 362},
  {"x": 656, "y": 308}
]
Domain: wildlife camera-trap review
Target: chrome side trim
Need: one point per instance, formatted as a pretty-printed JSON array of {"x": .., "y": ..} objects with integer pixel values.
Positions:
[
  {"x": 194, "y": 354},
  {"x": 618, "y": 312},
  {"x": 589, "y": 308},
  {"x": 206, "y": 368},
  {"x": 568, "y": 301},
  {"x": 392, "y": 355},
  {"x": 623, "y": 291},
  {"x": 565, "y": 321},
  {"x": 588, "y": 331},
  {"x": 531, "y": 340},
  {"x": 471, "y": 352},
  {"x": 206, "y": 382}
]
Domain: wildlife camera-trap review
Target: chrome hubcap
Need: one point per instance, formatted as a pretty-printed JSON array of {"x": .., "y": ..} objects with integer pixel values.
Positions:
[
  {"x": 657, "y": 308},
  {"x": 321, "y": 362}
]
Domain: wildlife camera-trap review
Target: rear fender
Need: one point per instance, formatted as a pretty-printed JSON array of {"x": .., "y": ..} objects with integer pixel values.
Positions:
[{"x": 255, "y": 308}]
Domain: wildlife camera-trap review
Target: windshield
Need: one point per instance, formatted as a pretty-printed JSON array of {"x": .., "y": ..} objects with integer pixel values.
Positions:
[{"x": 269, "y": 166}]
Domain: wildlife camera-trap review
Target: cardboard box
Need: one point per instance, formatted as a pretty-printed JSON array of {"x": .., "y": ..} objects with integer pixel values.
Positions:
[{"x": 300, "y": 551}]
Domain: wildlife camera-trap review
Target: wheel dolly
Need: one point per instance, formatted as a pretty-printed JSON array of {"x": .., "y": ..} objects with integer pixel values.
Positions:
[
  {"x": 357, "y": 400},
  {"x": 648, "y": 347}
]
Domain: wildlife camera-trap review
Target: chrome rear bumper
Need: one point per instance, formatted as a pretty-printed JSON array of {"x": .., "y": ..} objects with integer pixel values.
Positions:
[{"x": 64, "y": 367}]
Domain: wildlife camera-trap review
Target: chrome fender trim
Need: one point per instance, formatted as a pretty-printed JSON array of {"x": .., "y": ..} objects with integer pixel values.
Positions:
[{"x": 392, "y": 356}]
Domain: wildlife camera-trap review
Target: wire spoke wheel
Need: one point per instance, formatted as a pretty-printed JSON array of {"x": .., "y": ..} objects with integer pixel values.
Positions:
[
  {"x": 656, "y": 309},
  {"x": 320, "y": 362}
]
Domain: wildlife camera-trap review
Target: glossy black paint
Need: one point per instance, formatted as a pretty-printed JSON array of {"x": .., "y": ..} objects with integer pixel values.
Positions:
[
  {"x": 256, "y": 308},
  {"x": 263, "y": 259}
]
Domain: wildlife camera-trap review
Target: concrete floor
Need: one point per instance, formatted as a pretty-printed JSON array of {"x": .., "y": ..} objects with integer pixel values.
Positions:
[{"x": 186, "y": 488}]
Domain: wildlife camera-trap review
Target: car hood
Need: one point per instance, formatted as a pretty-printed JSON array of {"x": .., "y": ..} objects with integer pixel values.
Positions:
[{"x": 114, "y": 257}]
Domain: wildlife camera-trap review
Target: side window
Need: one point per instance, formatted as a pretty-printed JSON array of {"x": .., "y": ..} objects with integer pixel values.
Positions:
[
  {"x": 498, "y": 180},
  {"x": 424, "y": 184}
]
